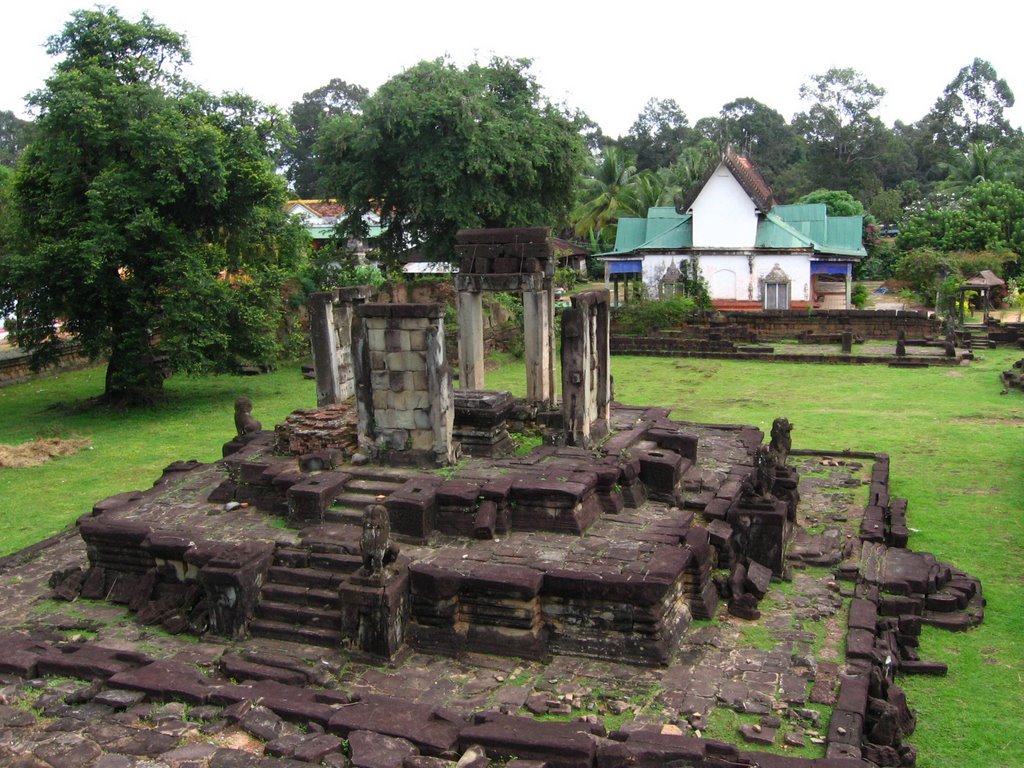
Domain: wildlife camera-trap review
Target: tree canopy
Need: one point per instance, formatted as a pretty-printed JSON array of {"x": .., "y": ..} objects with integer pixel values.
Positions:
[
  {"x": 845, "y": 138},
  {"x": 439, "y": 148},
  {"x": 989, "y": 217},
  {"x": 758, "y": 131},
  {"x": 971, "y": 109},
  {"x": 148, "y": 216},
  {"x": 302, "y": 165},
  {"x": 658, "y": 134},
  {"x": 14, "y": 137}
]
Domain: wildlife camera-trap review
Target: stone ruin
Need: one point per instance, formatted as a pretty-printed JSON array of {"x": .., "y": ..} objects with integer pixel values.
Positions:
[
  {"x": 614, "y": 542},
  {"x": 1014, "y": 377}
]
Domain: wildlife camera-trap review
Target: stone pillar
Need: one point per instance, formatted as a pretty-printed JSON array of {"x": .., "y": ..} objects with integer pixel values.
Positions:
[
  {"x": 538, "y": 337},
  {"x": 586, "y": 379},
  {"x": 403, "y": 384},
  {"x": 471, "y": 340},
  {"x": 603, "y": 331},
  {"x": 330, "y": 330},
  {"x": 375, "y": 611}
]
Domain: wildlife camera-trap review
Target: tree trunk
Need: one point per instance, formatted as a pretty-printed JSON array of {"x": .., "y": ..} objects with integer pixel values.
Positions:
[{"x": 135, "y": 376}]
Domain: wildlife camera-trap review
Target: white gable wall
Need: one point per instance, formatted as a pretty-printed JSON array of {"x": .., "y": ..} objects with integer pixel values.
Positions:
[{"x": 724, "y": 216}]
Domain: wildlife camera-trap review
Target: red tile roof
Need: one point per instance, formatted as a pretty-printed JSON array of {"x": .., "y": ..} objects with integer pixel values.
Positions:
[
  {"x": 750, "y": 179},
  {"x": 745, "y": 172},
  {"x": 323, "y": 208}
]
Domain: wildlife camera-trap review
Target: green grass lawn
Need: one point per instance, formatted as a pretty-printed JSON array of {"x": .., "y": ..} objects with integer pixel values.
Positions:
[
  {"x": 957, "y": 448},
  {"x": 128, "y": 450}
]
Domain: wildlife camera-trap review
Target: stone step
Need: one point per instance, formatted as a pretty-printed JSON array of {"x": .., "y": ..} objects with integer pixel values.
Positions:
[
  {"x": 304, "y": 577},
  {"x": 280, "y": 630},
  {"x": 344, "y": 516},
  {"x": 291, "y": 557},
  {"x": 374, "y": 486},
  {"x": 299, "y": 595},
  {"x": 304, "y": 615},
  {"x": 357, "y": 500},
  {"x": 335, "y": 562}
]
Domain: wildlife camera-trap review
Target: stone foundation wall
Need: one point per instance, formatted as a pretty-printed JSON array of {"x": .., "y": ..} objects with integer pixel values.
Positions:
[
  {"x": 15, "y": 367},
  {"x": 774, "y": 325}
]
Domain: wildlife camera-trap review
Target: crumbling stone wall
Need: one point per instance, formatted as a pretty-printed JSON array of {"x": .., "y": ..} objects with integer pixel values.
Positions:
[
  {"x": 330, "y": 330},
  {"x": 403, "y": 384}
]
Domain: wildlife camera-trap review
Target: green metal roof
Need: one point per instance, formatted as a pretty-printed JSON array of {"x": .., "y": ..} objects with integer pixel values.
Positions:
[
  {"x": 809, "y": 220},
  {"x": 786, "y": 226},
  {"x": 839, "y": 235},
  {"x": 630, "y": 235},
  {"x": 846, "y": 233},
  {"x": 663, "y": 212},
  {"x": 658, "y": 232},
  {"x": 326, "y": 231},
  {"x": 774, "y": 232}
]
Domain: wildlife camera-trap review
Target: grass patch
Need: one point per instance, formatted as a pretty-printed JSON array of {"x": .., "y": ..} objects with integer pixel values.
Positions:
[
  {"x": 128, "y": 450},
  {"x": 756, "y": 636},
  {"x": 525, "y": 443},
  {"x": 724, "y": 724}
]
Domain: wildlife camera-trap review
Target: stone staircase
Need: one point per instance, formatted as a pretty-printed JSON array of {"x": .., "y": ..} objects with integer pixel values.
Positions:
[
  {"x": 976, "y": 336},
  {"x": 299, "y": 599}
]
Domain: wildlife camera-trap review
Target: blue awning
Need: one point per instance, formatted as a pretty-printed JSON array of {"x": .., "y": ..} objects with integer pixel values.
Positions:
[
  {"x": 631, "y": 267},
  {"x": 830, "y": 268}
]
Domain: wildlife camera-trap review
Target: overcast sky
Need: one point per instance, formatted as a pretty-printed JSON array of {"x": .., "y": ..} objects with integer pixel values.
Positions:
[{"x": 607, "y": 59}]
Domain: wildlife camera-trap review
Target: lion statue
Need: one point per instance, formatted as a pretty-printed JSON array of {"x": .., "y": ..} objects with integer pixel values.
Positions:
[{"x": 245, "y": 424}]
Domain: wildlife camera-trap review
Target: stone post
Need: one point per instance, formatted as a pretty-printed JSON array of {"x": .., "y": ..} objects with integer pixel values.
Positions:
[
  {"x": 471, "y": 340},
  {"x": 538, "y": 335},
  {"x": 847, "y": 342},
  {"x": 586, "y": 378},
  {"x": 330, "y": 330}
]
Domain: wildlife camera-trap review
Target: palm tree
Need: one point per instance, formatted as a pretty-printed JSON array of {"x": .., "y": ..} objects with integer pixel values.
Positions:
[
  {"x": 648, "y": 190},
  {"x": 979, "y": 164},
  {"x": 604, "y": 193},
  {"x": 693, "y": 165}
]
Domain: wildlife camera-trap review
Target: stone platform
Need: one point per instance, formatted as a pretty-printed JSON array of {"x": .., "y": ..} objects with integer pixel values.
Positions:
[{"x": 614, "y": 623}]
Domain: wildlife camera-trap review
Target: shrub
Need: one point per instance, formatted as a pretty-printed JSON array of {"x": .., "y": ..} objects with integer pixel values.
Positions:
[
  {"x": 566, "y": 278},
  {"x": 880, "y": 263},
  {"x": 859, "y": 296},
  {"x": 647, "y": 316}
]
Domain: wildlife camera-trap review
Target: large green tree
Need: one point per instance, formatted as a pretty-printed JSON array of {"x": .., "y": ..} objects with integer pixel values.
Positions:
[
  {"x": 14, "y": 137},
  {"x": 302, "y": 165},
  {"x": 439, "y": 148},
  {"x": 971, "y": 109},
  {"x": 846, "y": 140},
  {"x": 149, "y": 216},
  {"x": 658, "y": 134}
]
